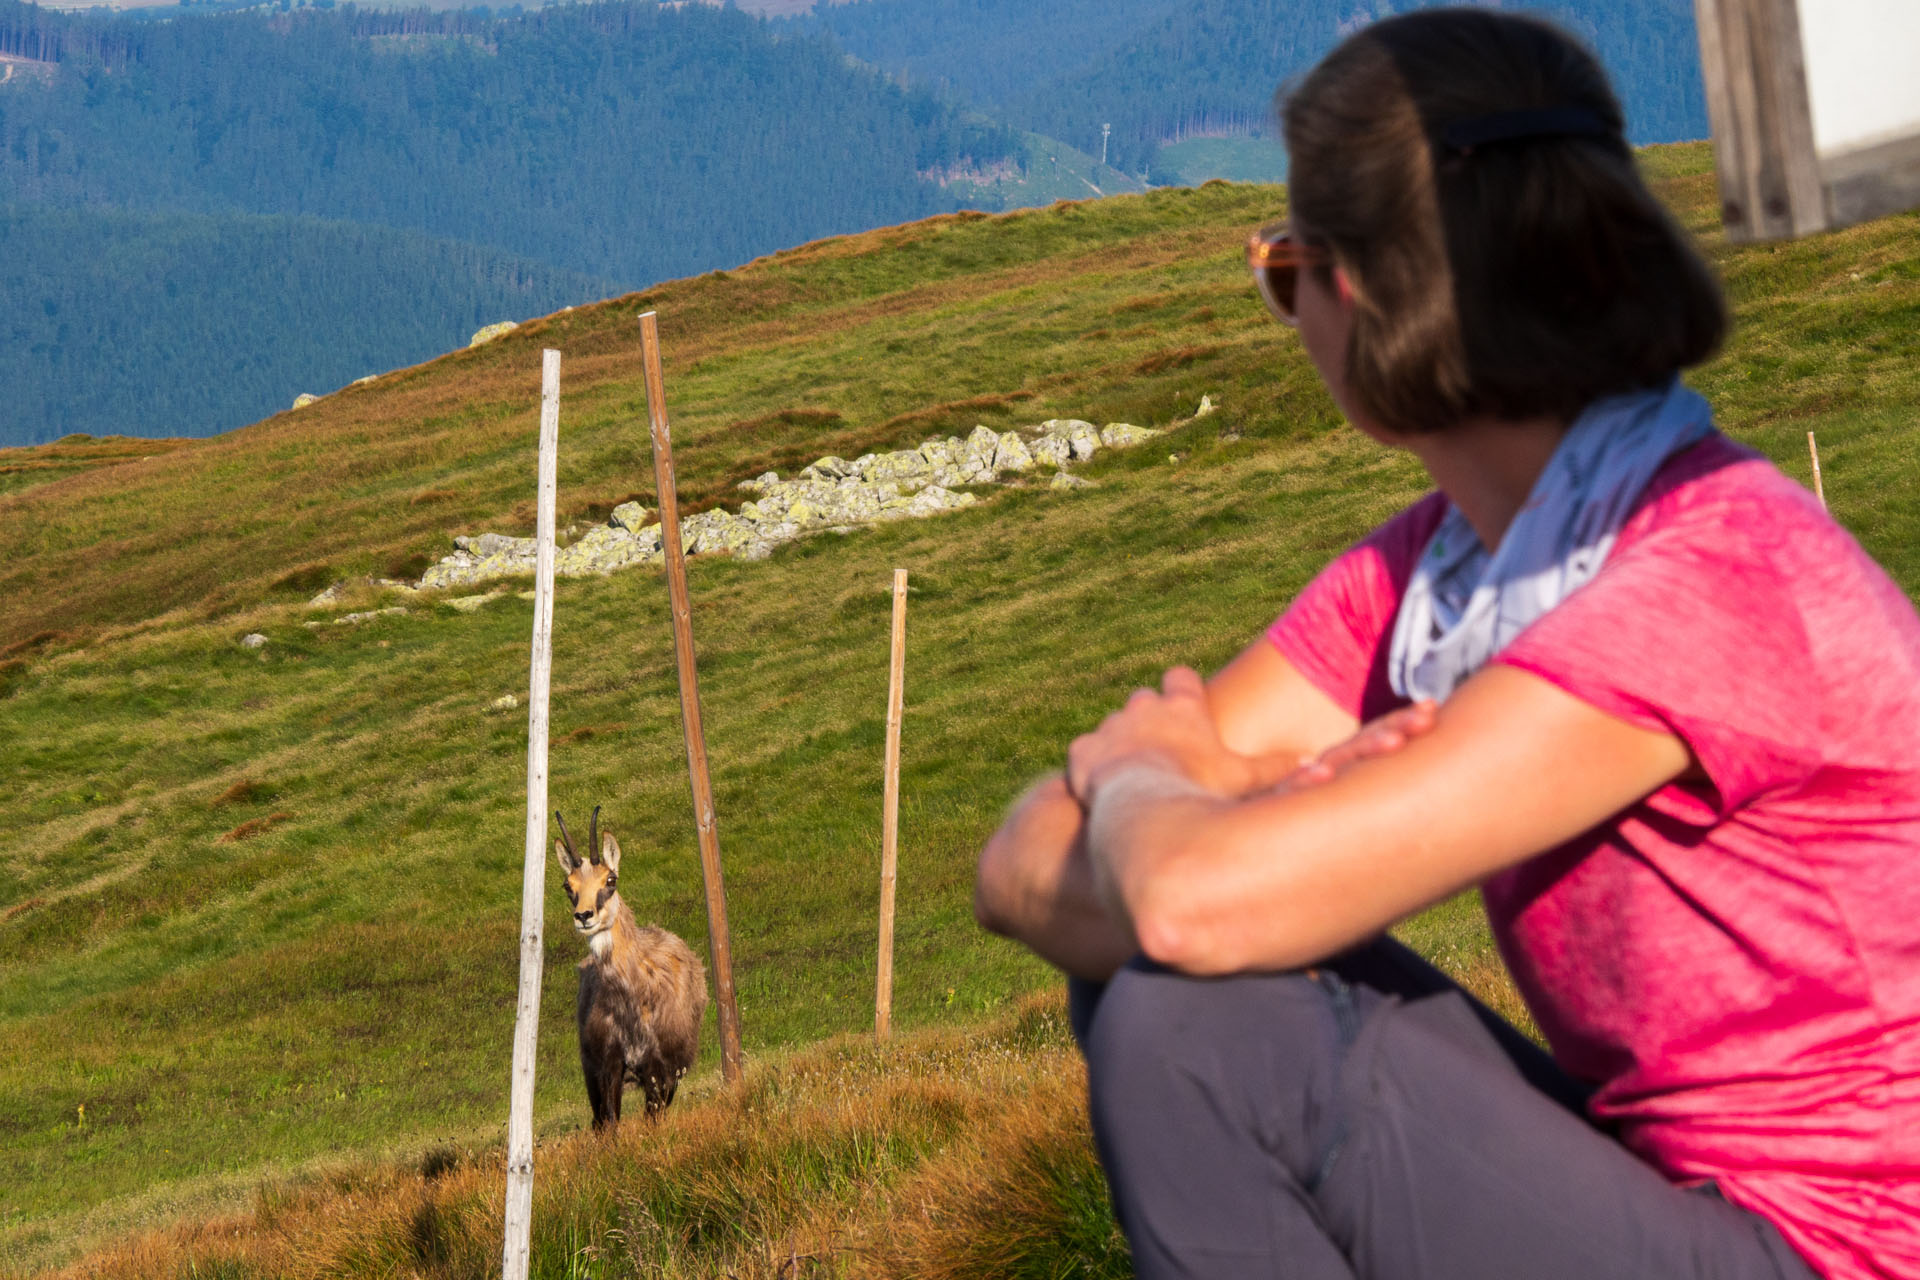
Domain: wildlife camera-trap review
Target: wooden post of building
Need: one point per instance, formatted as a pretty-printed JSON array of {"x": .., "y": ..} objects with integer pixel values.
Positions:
[
  {"x": 1813, "y": 451},
  {"x": 720, "y": 947},
  {"x": 533, "y": 882},
  {"x": 890, "y": 807}
]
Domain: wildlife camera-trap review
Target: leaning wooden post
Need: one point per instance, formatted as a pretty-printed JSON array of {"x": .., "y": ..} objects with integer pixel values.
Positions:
[
  {"x": 717, "y": 939},
  {"x": 890, "y": 808},
  {"x": 1813, "y": 450},
  {"x": 533, "y": 882}
]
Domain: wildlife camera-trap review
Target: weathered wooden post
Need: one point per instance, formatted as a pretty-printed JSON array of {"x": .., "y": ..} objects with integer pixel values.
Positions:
[
  {"x": 533, "y": 884},
  {"x": 890, "y": 807},
  {"x": 1813, "y": 450},
  {"x": 720, "y": 947}
]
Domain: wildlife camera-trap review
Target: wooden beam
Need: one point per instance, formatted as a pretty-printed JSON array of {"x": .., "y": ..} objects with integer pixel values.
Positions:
[
  {"x": 533, "y": 880},
  {"x": 1754, "y": 66},
  {"x": 719, "y": 944},
  {"x": 890, "y": 807}
]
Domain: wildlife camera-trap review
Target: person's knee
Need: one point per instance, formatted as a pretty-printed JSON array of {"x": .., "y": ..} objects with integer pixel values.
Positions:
[{"x": 1151, "y": 1022}]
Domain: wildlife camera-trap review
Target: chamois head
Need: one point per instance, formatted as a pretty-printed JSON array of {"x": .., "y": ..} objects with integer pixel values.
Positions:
[{"x": 591, "y": 881}]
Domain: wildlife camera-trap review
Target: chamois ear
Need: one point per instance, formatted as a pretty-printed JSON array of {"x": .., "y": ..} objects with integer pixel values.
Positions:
[
  {"x": 610, "y": 852},
  {"x": 568, "y": 863}
]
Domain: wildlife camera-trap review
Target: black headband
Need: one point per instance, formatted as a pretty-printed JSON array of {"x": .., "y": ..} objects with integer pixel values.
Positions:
[{"x": 1462, "y": 136}]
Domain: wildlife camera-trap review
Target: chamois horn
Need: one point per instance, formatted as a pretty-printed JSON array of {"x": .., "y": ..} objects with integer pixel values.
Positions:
[
  {"x": 565, "y": 838},
  {"x": 593, "y": 835}
]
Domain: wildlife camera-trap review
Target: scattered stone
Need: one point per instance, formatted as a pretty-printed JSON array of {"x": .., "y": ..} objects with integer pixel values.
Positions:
[
  {"x": 252, "y": 640},
  {"x": 488, "y": 333},
  {"x": 354, "y": 619},
  {"x": 370, "y": 378},
  {"x": 831, "y": 494},
  {"x": 304, "y": 399},
  {"x": 1012, "y": 453},
  {"x": 1120, "y": 435},
  {"x": 1206, "y": 407},
  {"x": 1052, "y": 451},
  {"x": 1067, "y": 480},
  {"x": 505, "y": 702},
  {"x": 470, "y": 604}
]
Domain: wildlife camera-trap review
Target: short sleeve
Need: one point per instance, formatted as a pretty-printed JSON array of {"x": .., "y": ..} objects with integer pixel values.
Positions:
[
  {"x": 1694, "y": 630},
  {"x": 1336, "y": 631}
]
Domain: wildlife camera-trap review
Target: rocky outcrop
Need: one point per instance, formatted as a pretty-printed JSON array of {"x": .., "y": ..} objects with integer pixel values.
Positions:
[
  {"x": 487, "y": 333},
  {"x": 830, "y": 493}
]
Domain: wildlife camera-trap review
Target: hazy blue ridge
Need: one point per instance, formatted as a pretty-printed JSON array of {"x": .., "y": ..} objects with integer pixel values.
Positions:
[
  {"x": 988, "y": 52},
  {"x": 631, "y": 141},
  {"x": 115, "y": 323},
  {"x": 1158, "y": 72}
]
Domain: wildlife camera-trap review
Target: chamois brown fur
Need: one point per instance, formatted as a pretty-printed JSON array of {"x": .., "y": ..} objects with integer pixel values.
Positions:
[{"x": 642, "y": 990}]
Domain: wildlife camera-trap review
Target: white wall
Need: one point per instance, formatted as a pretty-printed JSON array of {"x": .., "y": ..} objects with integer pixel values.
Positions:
[{"x": 1863, "y": 71}]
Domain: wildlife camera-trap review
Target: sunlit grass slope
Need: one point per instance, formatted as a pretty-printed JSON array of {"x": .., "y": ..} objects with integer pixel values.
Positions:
[{"x": 257, "y": 910}]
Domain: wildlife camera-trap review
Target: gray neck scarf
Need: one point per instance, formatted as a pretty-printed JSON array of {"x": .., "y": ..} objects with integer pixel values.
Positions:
[{"x": 1464, "y": 604}]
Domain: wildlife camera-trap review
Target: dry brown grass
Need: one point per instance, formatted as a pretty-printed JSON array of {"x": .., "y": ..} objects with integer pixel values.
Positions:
[
  {"x": 253, "y": 827},
  {"x": 944, "y": 1154}
]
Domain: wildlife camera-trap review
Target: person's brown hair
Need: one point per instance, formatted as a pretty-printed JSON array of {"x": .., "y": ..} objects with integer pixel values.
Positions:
[{"x": 1517, "y": 277}]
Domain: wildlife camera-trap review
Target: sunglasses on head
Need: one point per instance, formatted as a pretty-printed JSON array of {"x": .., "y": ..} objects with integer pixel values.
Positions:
[{"x": 1275, "y": 258}]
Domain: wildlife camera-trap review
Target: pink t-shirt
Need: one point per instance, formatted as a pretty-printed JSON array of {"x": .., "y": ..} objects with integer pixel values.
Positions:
[{"x": 1735, "y": 962}]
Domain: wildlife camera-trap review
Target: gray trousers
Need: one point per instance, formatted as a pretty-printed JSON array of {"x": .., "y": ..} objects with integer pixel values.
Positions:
[{"x": 1371, "y": 1120}]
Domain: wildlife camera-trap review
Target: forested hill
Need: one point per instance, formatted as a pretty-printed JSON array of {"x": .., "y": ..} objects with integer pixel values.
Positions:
[
  {"x": 1162, "y": 70},
  {"x": 630, "y": 140},
  {"x": 528, "y": 158},
  {"x": 212, "y": 321}
]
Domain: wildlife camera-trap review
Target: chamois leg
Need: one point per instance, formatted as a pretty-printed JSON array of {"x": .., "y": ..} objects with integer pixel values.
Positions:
[
  {"x": 660, "y": 1086},
  {"x": 613, "y": 1079}
]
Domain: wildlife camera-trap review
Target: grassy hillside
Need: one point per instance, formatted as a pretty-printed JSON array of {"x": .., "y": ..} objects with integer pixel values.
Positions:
[{"x": 257, "y": 910}]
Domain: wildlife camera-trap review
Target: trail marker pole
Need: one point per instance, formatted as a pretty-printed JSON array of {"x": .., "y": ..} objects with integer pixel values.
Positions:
[
  {"x": 1813, "y": 450},
  {"x": 719, "y": 945},
  {"x": 533, "y": 884},
  {"x": 890, "y": 808}
]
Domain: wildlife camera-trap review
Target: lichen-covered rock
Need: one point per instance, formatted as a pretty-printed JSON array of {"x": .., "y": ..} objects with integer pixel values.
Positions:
[
  {"x": 252, "y": 640},
  {"x": 1064, "y": 427},
  {"x": 1051, "y": 451},
  {"x": 304, "y": 399},
  {"x": 470, "y": 604},
  {"x": 607, "y": 548},
  {"x": 933, "y": 499},
  {"x": 976, "y": 461},
  {"x": 487, "y": 333},
  {"x": 1083, "y": 440},
  {"x": 1066, "y": 480},
  {"x": 505, "y": 702},
  {"x": 1120, "y": 435},
  {"x": 1207, "y": 406},
  {"x": 630, "y": 516},
  {"x": 1012, "y": 453},
  {"x": 830, "y": 467},
  {"x": 714, "y": 531}
]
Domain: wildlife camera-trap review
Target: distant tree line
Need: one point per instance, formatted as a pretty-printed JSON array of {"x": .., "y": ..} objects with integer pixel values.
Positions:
[
  {"x": 115, "y": 323},
  {"x": 1158, "y": 70},
  {"x": 634, "y": 141}
]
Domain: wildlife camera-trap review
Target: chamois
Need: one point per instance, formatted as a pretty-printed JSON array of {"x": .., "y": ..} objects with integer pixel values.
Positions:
[{"x": 642, "y": 990}]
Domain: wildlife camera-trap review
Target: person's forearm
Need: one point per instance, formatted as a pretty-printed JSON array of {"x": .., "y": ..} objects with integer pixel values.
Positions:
[{"x": 1035, "y": 885}]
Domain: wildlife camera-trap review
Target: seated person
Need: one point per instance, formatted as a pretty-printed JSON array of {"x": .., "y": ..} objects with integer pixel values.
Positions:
[{"x": 1639, "y": 690}]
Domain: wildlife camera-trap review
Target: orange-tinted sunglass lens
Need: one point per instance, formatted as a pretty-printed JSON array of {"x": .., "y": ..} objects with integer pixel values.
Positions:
[{"x": 1275, "y": 258}]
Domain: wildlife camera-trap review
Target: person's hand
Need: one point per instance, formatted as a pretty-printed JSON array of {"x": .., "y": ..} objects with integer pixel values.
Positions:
[
  {"x": 1381, "y": 736},
  {"x": 1172, "y": 728}
]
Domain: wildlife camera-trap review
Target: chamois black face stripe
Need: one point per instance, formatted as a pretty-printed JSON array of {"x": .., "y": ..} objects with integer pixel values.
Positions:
[{"x": 606, "y": 891}]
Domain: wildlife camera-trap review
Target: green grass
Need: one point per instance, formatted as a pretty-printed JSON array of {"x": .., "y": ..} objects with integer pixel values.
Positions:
[
  {"x": 335, "y": 988},
  {"x": 1235, "y": 159}
]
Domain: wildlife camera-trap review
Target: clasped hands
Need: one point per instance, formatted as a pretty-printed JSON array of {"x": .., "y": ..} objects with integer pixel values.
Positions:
[{"x": 1173, "y": 730}]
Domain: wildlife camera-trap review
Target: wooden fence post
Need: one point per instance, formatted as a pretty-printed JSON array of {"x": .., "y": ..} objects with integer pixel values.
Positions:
[
  {"x": 890, "y": 807},
  {"x": 1813, "y": 450},
  {"x": 533, "y": 883},
  {"x": 719, "y": 945}
]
